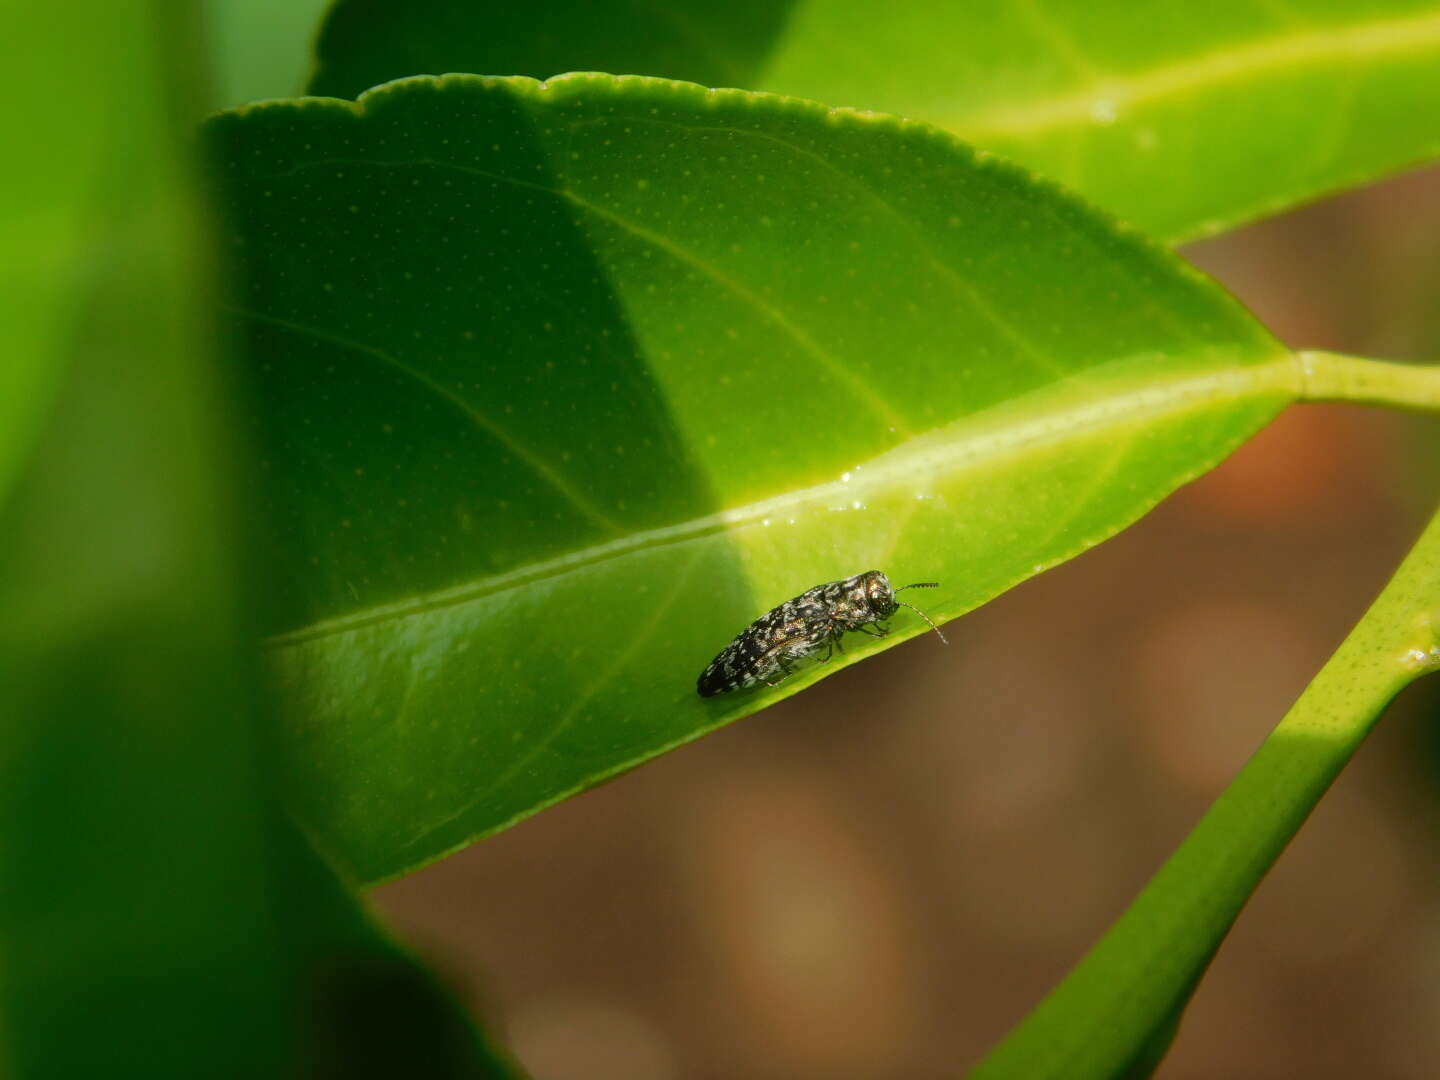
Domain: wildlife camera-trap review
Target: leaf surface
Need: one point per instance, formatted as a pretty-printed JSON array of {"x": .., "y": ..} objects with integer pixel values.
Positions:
[
  {"x": 564, "y": 385},
  {"x": 1183, "y": 118}
]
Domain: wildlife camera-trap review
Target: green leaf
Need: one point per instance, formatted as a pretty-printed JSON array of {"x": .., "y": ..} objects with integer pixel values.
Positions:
[
  {"x": 131, "y": 846},
  {"x": 365, "y": 43},
  {"x": 1182, "y": 118},
  {"x": 1117, "y": 1010},
  {"x": 261, "y": 47},
  {"x": 159, "y": 917},
  {"x": 50, "y": 203},
  {"x": 563, "y": 385}
]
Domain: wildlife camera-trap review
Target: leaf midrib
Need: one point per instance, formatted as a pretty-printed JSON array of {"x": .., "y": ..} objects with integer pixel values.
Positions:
[
  {"x": 1310, "y": 46},
  {"x": 1007, "y": 430}
]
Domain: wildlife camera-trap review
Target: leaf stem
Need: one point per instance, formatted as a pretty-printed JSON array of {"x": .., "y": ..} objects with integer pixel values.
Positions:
[
  {"x": 1327, "y": 376},
  {"x": 1115, "y": 1011}
]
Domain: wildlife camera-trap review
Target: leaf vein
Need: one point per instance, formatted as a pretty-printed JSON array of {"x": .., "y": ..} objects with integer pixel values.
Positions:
[
  {"x": 1307, "y": 47},
  {"x": 485, "y": 423},
  {"x": 861, "y": 390},
  {"x": 978, "y": 439},
  {"x": 637, "y": 643}
]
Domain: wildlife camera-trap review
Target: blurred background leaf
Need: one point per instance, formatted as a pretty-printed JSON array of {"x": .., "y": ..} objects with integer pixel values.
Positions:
[
  {"x": 47, "y": 215},
  {"x": 562, "y": 387},
  {"x": 1183, "y": 119},
  {"x": 261, "y": 48},
  {"x": 712, "y": 44},
  {"x": 135, "y": 905},
  {"x": 158, "y": 917}
]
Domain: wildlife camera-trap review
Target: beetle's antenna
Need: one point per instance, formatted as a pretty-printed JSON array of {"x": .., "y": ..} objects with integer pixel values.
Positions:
[{"x": 912, "y": 607}]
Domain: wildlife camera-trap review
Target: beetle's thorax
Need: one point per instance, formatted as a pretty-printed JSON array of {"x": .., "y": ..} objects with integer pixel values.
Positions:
[{"x": 862, "y": 599}]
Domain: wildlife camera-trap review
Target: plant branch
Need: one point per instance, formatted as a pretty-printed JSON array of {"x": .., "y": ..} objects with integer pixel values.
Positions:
[
  {"x": 1327, "y": 376},
  {"x": 1114, "y": 1013}
]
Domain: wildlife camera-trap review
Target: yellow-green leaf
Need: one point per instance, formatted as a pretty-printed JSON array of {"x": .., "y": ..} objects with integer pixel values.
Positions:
[
  {"x": 1183, "y": 118},
  {"x": 560, "y": 386}
]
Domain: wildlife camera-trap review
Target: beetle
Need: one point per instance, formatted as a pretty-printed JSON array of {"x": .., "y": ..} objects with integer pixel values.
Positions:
[{"x": 816, "y": 619}]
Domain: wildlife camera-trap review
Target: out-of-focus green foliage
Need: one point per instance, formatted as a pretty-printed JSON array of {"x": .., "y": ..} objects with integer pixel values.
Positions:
[
  {"x": 158, "y": 917},
  {"x": 261, "y": 48},
  {"x": 1183, "y": 118},
  {"x": 563, "y": 386},
  {"x": 136, "y": 907},
  {"x": 368, "y": 42},
  {"x": 51, "y": 205}
]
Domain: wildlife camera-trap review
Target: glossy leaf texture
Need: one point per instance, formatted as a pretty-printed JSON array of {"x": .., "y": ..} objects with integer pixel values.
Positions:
[
  {"x": 1182, "y": 118},
  {"x": 562, "y": 385},
  {"x": 159, "y": 917}
]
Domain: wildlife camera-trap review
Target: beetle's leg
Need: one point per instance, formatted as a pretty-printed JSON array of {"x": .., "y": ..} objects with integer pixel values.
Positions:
[
  {"x": 785, "y": 673},
  {"x": 881, "y": 630}
]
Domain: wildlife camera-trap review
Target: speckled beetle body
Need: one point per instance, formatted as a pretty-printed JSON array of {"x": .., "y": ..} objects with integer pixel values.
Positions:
[{"x": 767, "y": 650}]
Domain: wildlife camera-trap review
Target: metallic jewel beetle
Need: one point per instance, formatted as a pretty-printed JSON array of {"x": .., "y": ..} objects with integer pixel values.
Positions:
[{"x": 816, "y": 619}]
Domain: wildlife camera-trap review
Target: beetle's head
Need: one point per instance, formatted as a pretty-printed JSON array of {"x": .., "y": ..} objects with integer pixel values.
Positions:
[{"x": 880, "y": 596}]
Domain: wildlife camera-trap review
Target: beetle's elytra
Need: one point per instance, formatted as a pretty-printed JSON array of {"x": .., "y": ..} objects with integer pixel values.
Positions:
[{"x": 767, "y": 650}]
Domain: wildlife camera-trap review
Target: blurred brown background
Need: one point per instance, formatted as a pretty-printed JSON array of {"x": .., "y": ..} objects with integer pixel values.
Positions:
[{"x": 877, "y": 878}]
